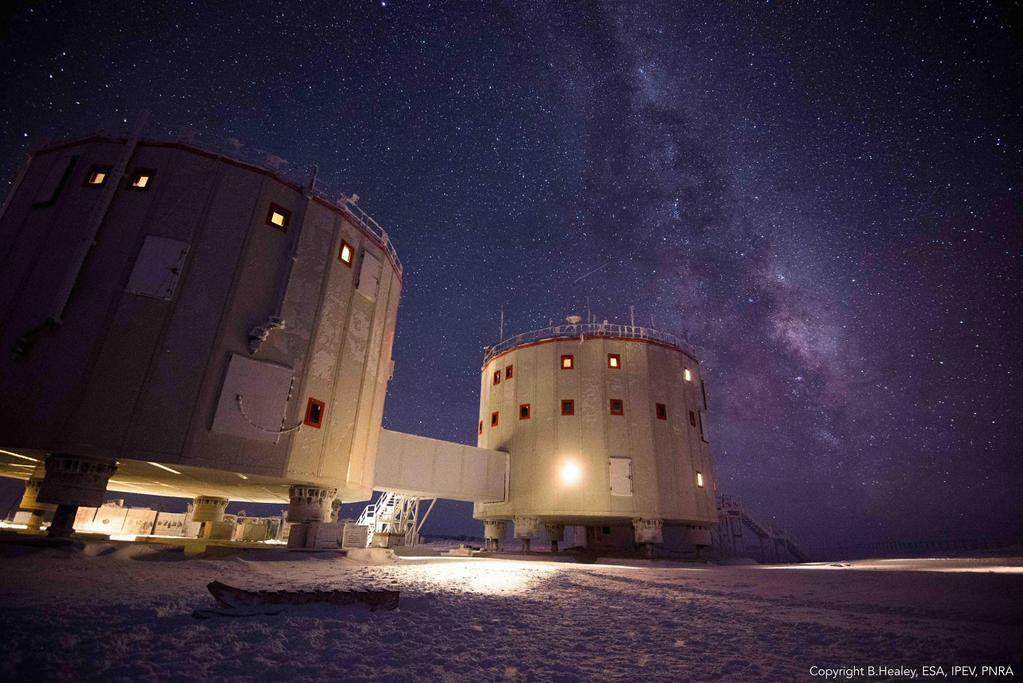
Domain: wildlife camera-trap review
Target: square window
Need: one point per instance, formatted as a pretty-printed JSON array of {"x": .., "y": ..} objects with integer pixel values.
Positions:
[
  {"x": 141, "y": 179},
  {"x": 617, "y": 406},
  {"x": 314, "y": 413},
  {"x": 508, "y": 372},
  {"x": 567, "y": 362},
  {"x": 568, "y": 407},
  {"x": 614, "y": 361},
  {"x": 687, "y": 375},
  {"x": 524, "y": 411},
  {"x": 699, "y": 479},
  {"x": 346, "y": 253},
  {"x": 662, "y": 411},
  {"x": 97, "y": 176},
  {"x": 494, "y": 419},
  {"x": 497, "y": 376},
  {"x": 692, "y": 419},
  {"x": 278, "y": 217}
]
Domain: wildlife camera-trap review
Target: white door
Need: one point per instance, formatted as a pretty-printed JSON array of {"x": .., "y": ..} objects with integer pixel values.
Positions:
[{"x": 621, "y": 476}]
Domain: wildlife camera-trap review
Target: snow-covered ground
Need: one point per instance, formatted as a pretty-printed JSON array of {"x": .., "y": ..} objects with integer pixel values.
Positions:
[{"x": 125, "y": 613}]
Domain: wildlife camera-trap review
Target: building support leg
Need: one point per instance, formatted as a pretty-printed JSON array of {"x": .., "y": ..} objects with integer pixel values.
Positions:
[
  {"x": 310, "y": 506},
  {"x": 71, "y": 481}
]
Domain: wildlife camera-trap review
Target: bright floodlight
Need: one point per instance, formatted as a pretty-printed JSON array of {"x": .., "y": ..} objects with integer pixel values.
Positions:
[{"x": 570, "y": 473}]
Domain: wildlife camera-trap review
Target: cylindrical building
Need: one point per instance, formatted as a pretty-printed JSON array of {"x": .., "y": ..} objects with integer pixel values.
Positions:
[
  {"x": 207, "y": 326},
  {"x": 606, "y": 428}
]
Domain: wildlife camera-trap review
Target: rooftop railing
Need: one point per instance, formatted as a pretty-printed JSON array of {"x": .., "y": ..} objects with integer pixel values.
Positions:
[{"x": 583, "y": 330}]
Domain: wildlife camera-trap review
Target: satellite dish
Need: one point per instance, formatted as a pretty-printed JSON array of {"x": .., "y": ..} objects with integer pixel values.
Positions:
[{"x": 574, "y": 319}]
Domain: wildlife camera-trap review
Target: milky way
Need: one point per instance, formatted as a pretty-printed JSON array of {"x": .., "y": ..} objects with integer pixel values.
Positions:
[{"x": 825, "y": 202}]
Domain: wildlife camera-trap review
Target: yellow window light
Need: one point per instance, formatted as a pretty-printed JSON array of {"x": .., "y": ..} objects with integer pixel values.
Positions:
[
  {"x": 687, "y": 375},
  {"x": 699, "y": 479}
]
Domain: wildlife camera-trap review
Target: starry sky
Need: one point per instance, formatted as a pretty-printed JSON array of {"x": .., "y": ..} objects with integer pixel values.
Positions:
[{"x": 825, "y": 201}]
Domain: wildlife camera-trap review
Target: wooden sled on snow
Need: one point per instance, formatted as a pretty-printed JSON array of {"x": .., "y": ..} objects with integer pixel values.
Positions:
[{"x": 241, "y": 602}]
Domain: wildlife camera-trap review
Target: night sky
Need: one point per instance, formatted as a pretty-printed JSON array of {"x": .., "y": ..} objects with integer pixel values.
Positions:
[{"x": 826, "y": 202}]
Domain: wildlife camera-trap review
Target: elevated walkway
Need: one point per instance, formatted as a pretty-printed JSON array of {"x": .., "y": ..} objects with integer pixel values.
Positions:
[{"x": 422, "y": 467}]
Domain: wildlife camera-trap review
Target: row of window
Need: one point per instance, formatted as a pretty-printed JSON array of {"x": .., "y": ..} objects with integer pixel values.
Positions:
[
  {"x": 614, "y": 362},
  {"x": 279, "y": 217},
  {"x": 139, "y": 179},
  {"x": 98, "y": 176},
  {"x": 615, "y": 405}
]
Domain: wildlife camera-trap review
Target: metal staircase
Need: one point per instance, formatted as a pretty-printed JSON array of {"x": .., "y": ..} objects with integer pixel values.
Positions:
[
  {"x": 728, "y": 536},
  {"x": 394, "y": 519}
]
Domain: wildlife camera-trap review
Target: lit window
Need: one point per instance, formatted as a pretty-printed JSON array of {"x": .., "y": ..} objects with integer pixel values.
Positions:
[
  {"x": 617, "y": 406},
  {"x": 568, "y": 407},
  {"x": 699, "y": 479},
  {"x": 614, "y": 361},
  {"x": 314, "y": 413},
  {"x": 662, "y": 411},
  {"x": 278, "y": 217},
  {"x": 687, "y": 375},
  {"x": 692, "y": 419},
  {"x": 524, "y": 411},
  {"x": 345, "y": 253},
  {"x": 140, "y": 180},
  {"x": 494, "y": 419},
  {"x": 97, "y": 176},
  {"x": 508, "y": 372},
  {"x": 497, "y": 376},
  {"x": 567, "y": 362}
]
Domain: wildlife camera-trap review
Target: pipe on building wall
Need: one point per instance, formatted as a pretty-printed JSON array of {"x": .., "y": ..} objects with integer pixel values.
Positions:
[
  {"x": 99, "y": 213},
  {"x": 276, "y": 321}
]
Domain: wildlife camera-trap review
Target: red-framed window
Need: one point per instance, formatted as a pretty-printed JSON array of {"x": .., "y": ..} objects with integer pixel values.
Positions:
[
  {"x": 617, "y": 406},
  {"x": 314, "y": 412},
  {"x": 97, "y": 176},
  {"x": 524, "y": 411},
  {"x": 495, "y": 418},
  {"x": 141, "y": 179},
  {"x": 567, "y": 407},
  {"x": 567, "y": 362},
  {"x": 497, "y": 376},
  {"x": 508, "y": 372},
  {"x": 346, "y": 253},
  {"x": 661, "y": 410},
  {"x": 278, "y": 217},
  {"x": 614, "y": 361}
]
